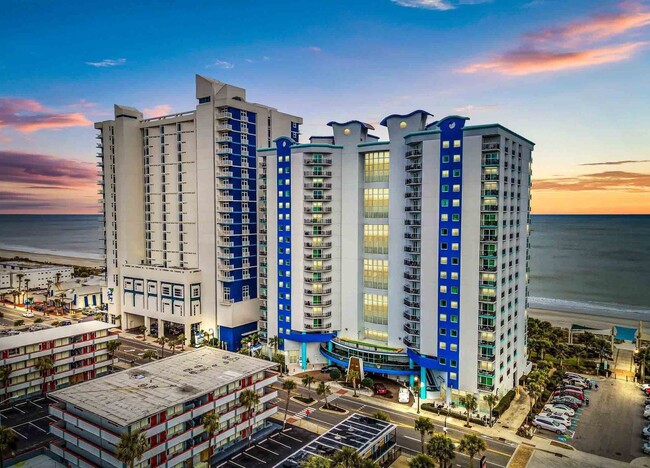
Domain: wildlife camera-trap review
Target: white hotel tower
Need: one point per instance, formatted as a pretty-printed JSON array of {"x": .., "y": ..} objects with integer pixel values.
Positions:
[
  {"x": 180, "y": 205},
  {"x": 411, "y": 254}
]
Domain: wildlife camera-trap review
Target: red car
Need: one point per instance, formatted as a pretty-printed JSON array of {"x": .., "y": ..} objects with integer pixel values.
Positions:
[{"x": 380, "y": 389}]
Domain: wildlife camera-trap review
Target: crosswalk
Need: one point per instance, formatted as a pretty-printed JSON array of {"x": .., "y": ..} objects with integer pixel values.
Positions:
[{"x": 303, "y": 413}]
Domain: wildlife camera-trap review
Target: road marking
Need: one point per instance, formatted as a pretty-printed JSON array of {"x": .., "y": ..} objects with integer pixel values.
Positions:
[
  {"x": 38, "y": 406},
  {"x": 231, "y": 461},
  {"x": 290, "y": 437},
  {"x": 412, "y": 438},
  {"x": 278, "y": 442},
  {"x": 254, "y": 458},
  {"x": 303, "y": 413},
  {"x": 264, "y": 448},
  {"x": 32, "y": 424},
  {"x": 18, "y": 433},
  {"x": 18, "y": 409}
]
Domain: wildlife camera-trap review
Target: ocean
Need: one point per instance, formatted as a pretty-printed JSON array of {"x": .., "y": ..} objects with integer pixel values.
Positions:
[{"x": 598, "y": 264}]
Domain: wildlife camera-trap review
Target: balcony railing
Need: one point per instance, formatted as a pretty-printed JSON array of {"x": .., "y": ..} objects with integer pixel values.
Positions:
[
  {"x": 412, "y": 316},
  {"x": 318, "y": 233},
  {"x": 311, "y": 256},
  {"x": 311, "y": 268},
  {"x": 321, "y": 326},
  {"x": 491, "y": 146},
  {"x": 411, "y": 330},
  {"x": 323, "y": 280},
  {"x": 413, "y": 153},
  {"x": 312, "y": 303},
  {"x": 486, "y": 357},
  {"x": 317, "y": 291},
  {"x": 318, "y": 161},
  {"x": 318, "y": 173},
  {"x": 315, "y": 315}
]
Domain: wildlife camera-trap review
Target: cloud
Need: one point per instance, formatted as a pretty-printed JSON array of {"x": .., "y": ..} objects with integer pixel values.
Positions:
[
  {"x": 468, "y": 109},
  {"x": 314, "y": 49},
  {"x": 440, "y": 5},
  {"x": 82, "y": 104},
  {"x": 157, "y": 111},
  {"x": 528, "y": 61},
  {"x": 616, "y": 163},
  {"x": 28, "y": 115},
  {"x": 106, "y": 63},
  {"x": 223, "y": 64},
  {"x": 266, "y": 58},
  {"x": 40, "y": 170},
  {"x": 609, "y": 180},
  {"x": 570, "y": 46}
]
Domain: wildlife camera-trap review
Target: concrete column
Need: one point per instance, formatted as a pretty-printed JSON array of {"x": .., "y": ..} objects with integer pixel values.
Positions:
[
  {"x": 147, "y": 324},
  {"x": 160, "y": 328},
  {"x": 329, "y": 348},
  {"x": 423, "y": 383},
  {"x": 303, "y": 355}
]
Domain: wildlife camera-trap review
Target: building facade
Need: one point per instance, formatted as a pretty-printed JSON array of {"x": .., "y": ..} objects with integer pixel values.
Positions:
[
  {"x": 179, "y": 197},
  {"x": 14, "y": 274},
  {"x": 411, "y": 254},
  {"x": 166, "y": 399},
  {"x": 78, "y": 353}
]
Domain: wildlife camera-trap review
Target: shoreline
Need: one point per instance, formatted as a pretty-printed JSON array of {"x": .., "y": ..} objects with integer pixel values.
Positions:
[
  {"x": 53, "y": 258},
  {"x": 565, "y": 319}
]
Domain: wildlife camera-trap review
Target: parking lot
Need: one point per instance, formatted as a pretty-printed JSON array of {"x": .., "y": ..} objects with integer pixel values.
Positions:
[
  {"x": 271, "y": 450},
  {"x": 30, "y": 420}
]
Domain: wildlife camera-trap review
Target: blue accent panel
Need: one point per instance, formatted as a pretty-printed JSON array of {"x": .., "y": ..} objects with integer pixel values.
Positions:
[
  {"x": 423, "y": 360},
  {"x": 303, "y": 355},
  {"x": 283, "y": 174},
  {"x": 445, "y": 121},
  {"x": 451, "y": 160},
  {"x": 308, "y": 337},
  {"x": 233, "y": 336},
  {"x": 370, "y": 368},
  {"x": 423, "y": 378},
  {"x": 419, "y": 111}
]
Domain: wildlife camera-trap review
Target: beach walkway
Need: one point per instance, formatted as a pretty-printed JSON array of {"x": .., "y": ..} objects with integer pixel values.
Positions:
[{"x": 624, "y": 360}]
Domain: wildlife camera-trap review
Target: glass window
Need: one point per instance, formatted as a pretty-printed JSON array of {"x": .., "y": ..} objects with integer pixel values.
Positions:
[
  {"x": 375, "y": 238},
  {"x": 378, "y": 335},
  {"x": 456, "y": 158},
  {"x": 442, "y": 345},
  {"x": 375, "y": 308},
  {"x": 375, "y": 273},
  {"x": 376, "y": 166},
  {"x": 456, "y": 143},
  {"x": 445, "y": 144},
  {"x": 443, "y": 317},
  {"x": 375, "y": 203}
]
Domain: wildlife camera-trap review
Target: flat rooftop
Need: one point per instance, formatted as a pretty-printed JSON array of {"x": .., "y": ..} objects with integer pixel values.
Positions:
[
  {"x": 357, "y": 431},
  {"x": 29, "y": 338},
  {"x": 131, "y": 395}
]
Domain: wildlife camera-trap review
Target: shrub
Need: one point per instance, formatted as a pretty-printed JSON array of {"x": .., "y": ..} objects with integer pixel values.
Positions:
[
  {"x": 38, "y": 320},
  {"x": 504, "y": 404},
  {"x": 367, "y": 382},
  {"x": 2, "y": 314},
  {"x": 18, "y": 323},
  {"x": 335, "y": 374},
  {"x": 431, "y": 408}
]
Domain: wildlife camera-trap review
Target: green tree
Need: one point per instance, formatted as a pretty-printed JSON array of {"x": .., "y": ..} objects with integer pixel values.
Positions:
[
  {"x": 27, "y": 280},
  {"x": 279, "y": 358},
  {"x": 288, "y": 386},
  {"x": 367, "y": 382},
  {"x": 422, "y": 461},
  {"x": 348, "y": 458},
  {"x": 211, "y": 426},
  {"x": 425, "y": 427},
  {"x": 470, "y": 403},
  {"x": 353, "y": 376},
  {"x": 561, "y": 352},
  {"x": 472, "y": 445},
  {"x": 441, "y": 448},
  {"x": 112, "y": 347},
  {"x": 323, "y": 390},
  {"x": 5, "y": 378},
  {"x": 143, "y": 331},
  {"x": 249, "y": 399},
  {"x": 335, "y": 374},
  {"x": 19, "y": 323},
  {"x": 162, "y": 341},
  {"x": 149, "y": 354},
  {"x": 381, "y": 415},
  {"x": 274, "y": 344},
  {"x": 181, "y": 341},
  {"x": 492, "y": 400},
  {"x": 44, "y": 365},
  {"x": 131, "y": 447},
  {"x": 8, "y": 444},
  {"x": 171, "y": 343},
  {"x": 307, "y": 381},
  {"x": 20, "y": 277},
  {"x": 314, "y": 461}
]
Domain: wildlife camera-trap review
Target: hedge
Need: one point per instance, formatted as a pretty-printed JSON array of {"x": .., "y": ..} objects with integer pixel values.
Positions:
[
  {"x": 432, "y": 408},
  {"x": 504, "y": 404}
]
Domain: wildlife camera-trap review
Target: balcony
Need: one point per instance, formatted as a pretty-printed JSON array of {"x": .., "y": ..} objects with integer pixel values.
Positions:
[
  {"x": 224, "y": 115},
  {"x": 411, "y": 315},
  {"x": 487, "y": 342},
  {"x": 412, "y": 235},
  {"x": 318, "y": 173},
  {"x": 411, "y": 195},
  {"x": 224, "y": 150},
  {"x": 488, "y": 299},
  {"x": 412, "y": 263},
  {"x": 314, "y": 315},
  {"x": 488, "y": 284},
  {"x": 318, "y": 221},
  {"x": 490, "y": 193},
  {"x": 411, "y": 330},
  {"x": 488, "y": 162},
  {"x": 317, "y": 185},
  {"x": 491, "y": 208},
  {"x": 317, "y": 291},
  {"x": 411, "y": 289},
  {"x": 321, "y": 326},
  {"x": 486, "y": 388},
  {"x": 411, "y": 303},
  {"x": 318, "y": 209},
  {"x": 491, "y": 146},
  {"x": 412, "y": 222},
  {"x": 317, "y": 268},
  {"x": 487, "y": 327},
  {"x": 311, "y": 256},
  {"x": 318, "y": 161},
  {"x": 486, "y": 357},
  {"x": 314, "y": 197},
  {"x": 413, "y": 153},
  {"x": 312, "y": 303},
  {"x": 489, "y": 238},
  {"x": 318, "y": 233},
  {"x": 489, "y": 176},
  {"x": 411, "y": 342},
  {"x": 323, "y": 280},
  {"x": 412, "y": 249},
  {"x": 412, "y": 276},
  {"x": 317, "y": 245},
  {"x": 413, "y": 208},
  {"x": 486, "y": 372},
  {"x": 414, "y": 181},
  {"x": 414, "y": 167}
]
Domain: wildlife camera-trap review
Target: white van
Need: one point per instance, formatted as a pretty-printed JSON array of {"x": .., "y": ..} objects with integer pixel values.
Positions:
[{"x": 404, "y": 395}]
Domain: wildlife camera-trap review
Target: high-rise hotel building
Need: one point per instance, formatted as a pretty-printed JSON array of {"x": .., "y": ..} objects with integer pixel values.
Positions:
[
  {"x": 411, "y": 254},
  {"x": 179, "y": 195}
]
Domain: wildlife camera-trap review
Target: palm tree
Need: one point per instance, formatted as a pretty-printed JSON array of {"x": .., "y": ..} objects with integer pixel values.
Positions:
[
  {"x": 143, "y": 331},
  {"x": 470, "y": 403},
  {"x": 425, "y": 427},
  {"x": 43, "y": 365},
  {"x": 422, "y": 461},
  {"x": 112, "y": 347},
  {"x": 172, "y": 346},
  {"x": 274, "y": 344},
  {"x": 7, "y": 443},
  {"x": 57, "y": 278},
  {"x": 211, "y": 426},
  {"x": 5, "y": 377},
  {"x": 353, "y": 376},
  {"x": 561, "y": 352},
  {"x": 323, "y": 390},
  {"x": 131, "y": 447},
  {"x": 315, "y": 461},
  {"x": 15, "y": 295},
  {"x": 307, "y": 381},
  {"x": 288, "y": 386},
  {"x": 150, "y": 354},
  {"x": 347, "y": 458},
  {"x": 20, "y": 277},
  {"x": 441, "y": 448},
  {"x": 250, "y": 399},
  {"x": 27, "y": 280},
  {"x": 491, "y": 399},
  {"x": 472, "y": 445},
  {"x": 49, "y": 287},
  {"x": 381, "y": 416},
  {"x": 280, "y": 359},
  {"x": 162, "y": 341},
  {"x": 181, "y": 340}
]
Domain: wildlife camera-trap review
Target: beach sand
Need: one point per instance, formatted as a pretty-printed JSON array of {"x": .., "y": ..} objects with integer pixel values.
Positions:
[
  {"x": 566, "y": 319},
  {"x": 57, "y": 259}
]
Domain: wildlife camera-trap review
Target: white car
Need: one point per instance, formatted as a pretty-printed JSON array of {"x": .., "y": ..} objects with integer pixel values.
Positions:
[
  {"x": 28, "y": 314},
  {"x": 549, "y": 424},
  {"x": 404, "y": 395},
  {"x": 646, "y": 448},
  {"x": 559, "y": 409},
  {"x": 644, "y": 386},
  {"x": 561, "y": 418}
]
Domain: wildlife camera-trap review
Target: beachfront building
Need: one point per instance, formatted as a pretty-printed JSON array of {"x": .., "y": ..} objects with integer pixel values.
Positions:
[
  {"x": 180, "y": 205},
  {"x": 166, "y": 399},
  {"x": 15, "y": 273},
  {"x": 80, "y": 293},
  {"x": 77, "y": 353},
  {"x": 411, "y": 254}
]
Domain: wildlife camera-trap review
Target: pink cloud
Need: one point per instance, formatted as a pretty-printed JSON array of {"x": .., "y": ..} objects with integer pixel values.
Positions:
[
  {"x": 531, "y": 61},
  {"x": 157, "y": 111},
  {"x": 28, "y": 115},
  {"x": 40, "y": 170}
]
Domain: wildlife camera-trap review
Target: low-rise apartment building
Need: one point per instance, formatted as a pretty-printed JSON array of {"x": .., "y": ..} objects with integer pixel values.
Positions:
[
  {"x": 13, "y": 274},
  {"x": 77, "y": 353},
  {"x": 167, "y": 399}
]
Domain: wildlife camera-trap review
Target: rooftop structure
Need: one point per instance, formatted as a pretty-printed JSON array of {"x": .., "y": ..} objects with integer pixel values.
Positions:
[{"x": 51, "y": 334}]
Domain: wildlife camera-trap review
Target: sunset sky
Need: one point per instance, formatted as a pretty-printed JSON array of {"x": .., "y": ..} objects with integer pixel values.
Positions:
[{"x": 573, "y": 76}]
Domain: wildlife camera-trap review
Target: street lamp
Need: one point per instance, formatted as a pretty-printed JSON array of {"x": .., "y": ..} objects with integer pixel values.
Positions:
[
  {"x": 417, "y": 388},
  {"x": 448, "y": 408}
]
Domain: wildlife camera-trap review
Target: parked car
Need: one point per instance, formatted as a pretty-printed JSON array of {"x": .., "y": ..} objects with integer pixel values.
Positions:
[
  {"x": 65, "y": 322},
  {"x": 28, "y": 314},
  {"x": 404, "y": 395},
  {"x": 646, "y": 448},
  {"x": 566, "y": 402},
  {"x": 380, "y": 389},
  {"x": 583, "y": 383},
  {"x": 571, "y": 387},
  {"x": 562, "y": 419},
  {"x": 328, "y": 369},
  {"x": 570, "y": 393},
  {"x": 559, "y": 409},
  {"x": 646, "y": 432},
  {"x": 548, "y": 424},
  {"x": 646, "y": 413},
  {"x": 644, "y": 386}
]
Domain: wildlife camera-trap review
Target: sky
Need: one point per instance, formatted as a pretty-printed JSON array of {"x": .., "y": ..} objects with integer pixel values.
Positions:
[{"x": 574, "y": 77}]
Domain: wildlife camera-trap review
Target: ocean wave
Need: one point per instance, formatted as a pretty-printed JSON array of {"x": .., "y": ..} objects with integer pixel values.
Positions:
[
  {"x": 593, "y": 308},
  {"x": 60, "y": 253}
]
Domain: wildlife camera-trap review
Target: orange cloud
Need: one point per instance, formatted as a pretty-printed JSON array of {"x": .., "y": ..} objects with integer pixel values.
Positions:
[
  {"x": 28, "y": 115},
  {"x": 157, "y": 111},
  {"x": 620, "y": 181},
  {"x": 590, "y": 202},
  {"x": 527, "y": 62}
]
